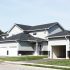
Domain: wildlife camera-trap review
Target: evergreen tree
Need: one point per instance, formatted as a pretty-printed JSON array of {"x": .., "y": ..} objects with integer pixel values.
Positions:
[{"x": 1, "y": 32}]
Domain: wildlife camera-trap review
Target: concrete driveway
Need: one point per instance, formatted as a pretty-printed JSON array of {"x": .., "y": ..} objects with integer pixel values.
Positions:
[{"x": 7, "y": 66}]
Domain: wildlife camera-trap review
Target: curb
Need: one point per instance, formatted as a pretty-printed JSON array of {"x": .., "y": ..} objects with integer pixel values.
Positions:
[{"x": 25, "y": 63}]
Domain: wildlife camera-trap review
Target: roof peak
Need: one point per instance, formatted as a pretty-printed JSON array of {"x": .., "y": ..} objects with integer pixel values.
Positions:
[
  {"x": 39, "y": 24},
  {"x": 21, "y": 24},
  {"x": 42, "y": 26}
]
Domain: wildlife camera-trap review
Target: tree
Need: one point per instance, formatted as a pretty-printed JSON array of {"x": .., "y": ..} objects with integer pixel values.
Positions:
[{"x": 1, "y": 32}]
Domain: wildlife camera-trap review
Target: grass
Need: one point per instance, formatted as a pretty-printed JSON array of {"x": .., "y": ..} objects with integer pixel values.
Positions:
[
  {"x": 62, "y": 62},
  {"x": 22, "y": 58},
  {"x": 48, "y": 67}
]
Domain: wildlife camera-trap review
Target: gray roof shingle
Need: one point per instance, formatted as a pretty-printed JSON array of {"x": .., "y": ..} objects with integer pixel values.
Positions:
[
  {"x": 23, "y": 37},
  {"x": 24, "y": 27},
  {"x": 62, "y": 33},
  {"x": 43, "y": 26}
]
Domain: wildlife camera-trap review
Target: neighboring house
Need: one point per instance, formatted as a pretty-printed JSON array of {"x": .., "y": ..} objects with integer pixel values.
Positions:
[
  {"x": 28, "y": 40},
  {"x": 59, "y": 45}
]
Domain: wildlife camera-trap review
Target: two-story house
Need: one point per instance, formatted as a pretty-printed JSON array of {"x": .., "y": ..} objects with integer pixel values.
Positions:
[{"x": 28, "y": 40}]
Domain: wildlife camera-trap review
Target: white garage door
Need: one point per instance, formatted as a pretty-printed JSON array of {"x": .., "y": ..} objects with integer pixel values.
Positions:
[
  {"x": 12, "y": 51},
  {"x": 3, "y": 51}
]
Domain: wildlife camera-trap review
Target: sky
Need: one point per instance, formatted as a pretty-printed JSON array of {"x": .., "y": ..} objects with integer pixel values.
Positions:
[{"x": 34, "y": 12}]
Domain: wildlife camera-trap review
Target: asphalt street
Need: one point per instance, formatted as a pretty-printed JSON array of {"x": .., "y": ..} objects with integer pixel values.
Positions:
[{"x": 7, "y": 66}]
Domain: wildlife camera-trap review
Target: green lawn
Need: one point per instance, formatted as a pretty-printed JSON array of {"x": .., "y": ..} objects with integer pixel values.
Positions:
[
  {"x": 22, "y": 58},
  {"x": 61, "y": 62},
  {"x": 58, "y": 68}
]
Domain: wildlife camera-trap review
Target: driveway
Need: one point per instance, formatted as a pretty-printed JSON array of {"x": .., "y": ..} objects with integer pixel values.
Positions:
[{"x": 7, "y": 66}]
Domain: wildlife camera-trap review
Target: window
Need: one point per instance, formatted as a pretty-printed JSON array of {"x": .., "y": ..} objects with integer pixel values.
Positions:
[{"x": 34, "y": 33}]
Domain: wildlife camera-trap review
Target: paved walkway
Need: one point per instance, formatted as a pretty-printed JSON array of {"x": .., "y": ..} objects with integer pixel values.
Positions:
[{"x": 7, "y": 66}]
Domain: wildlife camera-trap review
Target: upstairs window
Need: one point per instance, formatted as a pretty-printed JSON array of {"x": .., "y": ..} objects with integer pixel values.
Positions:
[{"x": 34, "y": 33}]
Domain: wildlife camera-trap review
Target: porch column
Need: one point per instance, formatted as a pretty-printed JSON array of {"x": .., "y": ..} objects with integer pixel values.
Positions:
[
  {"x": 36, "y": 49},
  {"x": 67, "y": 57},
  {"x": 51, "y": 53},
  {"x": 67, "y": 48}
]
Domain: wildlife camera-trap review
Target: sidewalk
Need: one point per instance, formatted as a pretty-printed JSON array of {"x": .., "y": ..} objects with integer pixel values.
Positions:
[{"x": 43, "y": 65}]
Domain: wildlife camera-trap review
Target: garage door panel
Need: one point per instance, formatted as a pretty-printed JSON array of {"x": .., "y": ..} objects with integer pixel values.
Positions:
[
  {"x": 12, "y": 51},
  {"x": 3, "y": 51}
]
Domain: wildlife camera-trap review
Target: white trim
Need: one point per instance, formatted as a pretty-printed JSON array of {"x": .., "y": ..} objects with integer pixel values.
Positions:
[
  {"x": 17, "y": 40},
  {"x": 7, "y": 41},
  {"x": 58, "y": 36}
]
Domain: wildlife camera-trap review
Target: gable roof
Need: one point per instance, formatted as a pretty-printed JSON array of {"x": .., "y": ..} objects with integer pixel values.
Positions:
[
  {"x": 28, "y": 28},
  {"x": 23, "y": 37},
  {"x": 60, "y": 34},
  {"x": 43, "y": 26},
  {"x": 24, "y": 27},
  {"x": 37, "y": 27}
]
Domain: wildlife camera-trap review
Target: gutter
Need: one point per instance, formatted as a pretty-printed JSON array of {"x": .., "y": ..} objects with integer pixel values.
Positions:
[
  {"x": 59, "y": 36},
  {"x": 8, "y": 41},
  {"x": 19, "y": 40}
]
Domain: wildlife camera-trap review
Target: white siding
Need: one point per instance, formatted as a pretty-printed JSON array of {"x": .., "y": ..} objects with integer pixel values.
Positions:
[
  {"x": 15, "y": 30},
  {"x": 45, "y": 46},
  {"x": 58, "y": 42},
  {"x": 55, "y": 42},
  {"x": 12, "y": 49},
  {"x": 3, "y": 51},
  {"x": 41, "y": 34}
]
